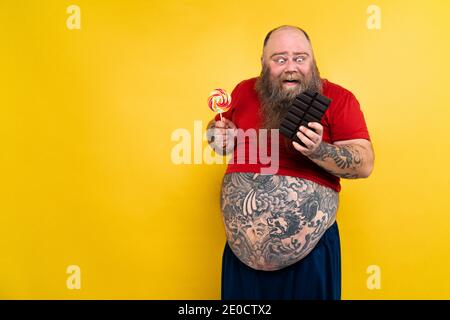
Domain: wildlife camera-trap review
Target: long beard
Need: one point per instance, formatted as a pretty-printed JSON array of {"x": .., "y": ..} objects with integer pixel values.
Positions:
[{"x": 276, "y": 100}]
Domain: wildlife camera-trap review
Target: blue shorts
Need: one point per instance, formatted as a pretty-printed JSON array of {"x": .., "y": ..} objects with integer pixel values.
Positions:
[{"x": 317, "y": 276}]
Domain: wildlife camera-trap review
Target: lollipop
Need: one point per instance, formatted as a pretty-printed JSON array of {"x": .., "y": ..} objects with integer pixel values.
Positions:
[{"x": 219, "y": 101}]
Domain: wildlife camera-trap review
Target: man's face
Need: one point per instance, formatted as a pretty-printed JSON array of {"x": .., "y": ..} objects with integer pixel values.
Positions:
[
  {"x": 288, "y": 69},
  {"x": 288, "y": 58}
]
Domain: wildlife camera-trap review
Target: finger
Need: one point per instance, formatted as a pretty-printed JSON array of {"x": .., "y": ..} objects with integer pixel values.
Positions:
[
  {"x": 300, "y": 148},
  {"x": 225, "y": 123},
  {"x": 232, "y": 132},
  {"x": 227, "y": 140},
  {"x": 225, "y": 132},
  {"x": 218, "y": 136},
  {"x": 219, "y": 141},
  {"x": 225, "y": 135},
  {"x": 220, "y": 124},
  {"x": 305, "y": 140},
  {"x": 310, "y": 134},
  {"x": 229, "y": 123},
  {"x": 318, "y": 128}
]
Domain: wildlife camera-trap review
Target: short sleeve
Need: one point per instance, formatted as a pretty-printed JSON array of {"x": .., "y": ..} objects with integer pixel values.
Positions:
[
  {"x": 234, "y": 100},
  {"x": 347, "y": 119}
]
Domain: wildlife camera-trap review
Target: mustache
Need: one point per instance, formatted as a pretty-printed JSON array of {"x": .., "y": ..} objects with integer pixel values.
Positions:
[{"x": 292, "y": 76}]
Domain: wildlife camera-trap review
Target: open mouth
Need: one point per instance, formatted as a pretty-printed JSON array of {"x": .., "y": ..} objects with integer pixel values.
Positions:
[{"x": 291, "y": 82}]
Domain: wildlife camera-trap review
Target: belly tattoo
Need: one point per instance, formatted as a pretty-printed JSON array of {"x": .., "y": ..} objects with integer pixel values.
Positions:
[{"x": 273, "y": 221}]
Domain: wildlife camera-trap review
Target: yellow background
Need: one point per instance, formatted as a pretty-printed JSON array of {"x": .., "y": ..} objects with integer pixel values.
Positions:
[{"x": 86, "y": 120}]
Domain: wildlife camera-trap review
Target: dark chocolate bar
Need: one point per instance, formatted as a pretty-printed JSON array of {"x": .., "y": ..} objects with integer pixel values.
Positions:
[{"x": 307, "y": 107}]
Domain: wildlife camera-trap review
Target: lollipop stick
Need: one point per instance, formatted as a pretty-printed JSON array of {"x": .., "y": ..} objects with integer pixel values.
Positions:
[{"x": 221, "y": 119}]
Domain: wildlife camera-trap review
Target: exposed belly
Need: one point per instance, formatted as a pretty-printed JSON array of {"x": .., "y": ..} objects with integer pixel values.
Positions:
[{"x": 273, "y": 221}]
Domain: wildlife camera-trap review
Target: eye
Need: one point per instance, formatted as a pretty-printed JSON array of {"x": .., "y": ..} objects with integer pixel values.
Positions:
[
  {"x": 280, "y": 60},
  {"x": 300, "y": 59}
]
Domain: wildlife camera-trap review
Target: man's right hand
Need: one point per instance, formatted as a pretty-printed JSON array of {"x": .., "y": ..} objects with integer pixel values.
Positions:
[{"x": 221, "y": 135}]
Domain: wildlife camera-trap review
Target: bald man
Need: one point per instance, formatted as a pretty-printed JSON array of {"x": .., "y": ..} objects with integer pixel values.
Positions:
[{"x": 282, "y": 236}]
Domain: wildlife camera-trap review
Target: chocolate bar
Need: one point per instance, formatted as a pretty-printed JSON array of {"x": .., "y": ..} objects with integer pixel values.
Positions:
[{"x": 307, "y": 107}]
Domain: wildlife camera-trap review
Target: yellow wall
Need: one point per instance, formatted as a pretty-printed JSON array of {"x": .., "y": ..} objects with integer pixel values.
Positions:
[{"x": 86, "y": 122}]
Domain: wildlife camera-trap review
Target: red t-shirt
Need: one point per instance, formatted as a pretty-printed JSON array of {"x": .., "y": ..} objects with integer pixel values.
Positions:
[{"x": 343, "y": 120}]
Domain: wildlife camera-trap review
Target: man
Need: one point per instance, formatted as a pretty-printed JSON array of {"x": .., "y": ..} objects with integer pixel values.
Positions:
[{"x": 282, "y": 238}]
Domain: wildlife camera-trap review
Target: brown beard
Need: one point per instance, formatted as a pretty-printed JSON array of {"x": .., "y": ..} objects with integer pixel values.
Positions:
[{"x": 275, "y": 100}]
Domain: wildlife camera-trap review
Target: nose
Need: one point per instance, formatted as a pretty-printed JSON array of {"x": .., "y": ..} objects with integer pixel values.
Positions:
[{"x": 290, "y": 66}]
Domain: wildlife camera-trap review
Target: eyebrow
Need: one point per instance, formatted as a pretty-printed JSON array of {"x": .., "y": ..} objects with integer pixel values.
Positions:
[{"x": 285, "y": 52}]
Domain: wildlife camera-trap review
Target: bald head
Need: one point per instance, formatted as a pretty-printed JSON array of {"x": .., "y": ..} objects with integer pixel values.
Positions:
[
  {"x": 266, "y": 39},
  {"x": 286, "y": 38}
]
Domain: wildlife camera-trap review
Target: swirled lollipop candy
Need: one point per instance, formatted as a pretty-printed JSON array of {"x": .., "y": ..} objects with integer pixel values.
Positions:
[{"x": 219, "y": 101}]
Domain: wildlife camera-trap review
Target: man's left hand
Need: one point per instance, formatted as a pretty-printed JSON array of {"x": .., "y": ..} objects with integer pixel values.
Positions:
[{"x": 311, "y": 138}]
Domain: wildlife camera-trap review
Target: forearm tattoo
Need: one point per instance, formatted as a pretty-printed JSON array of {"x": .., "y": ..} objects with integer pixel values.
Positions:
[
  {"x": 345, "y": 157},
  {"x": 273, "y": 221}
]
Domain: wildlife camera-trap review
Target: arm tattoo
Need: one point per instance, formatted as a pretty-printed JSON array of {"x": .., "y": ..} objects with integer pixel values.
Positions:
[
  {"x": 274, "y": 221},
  {"x": 344, "y": 157}
]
